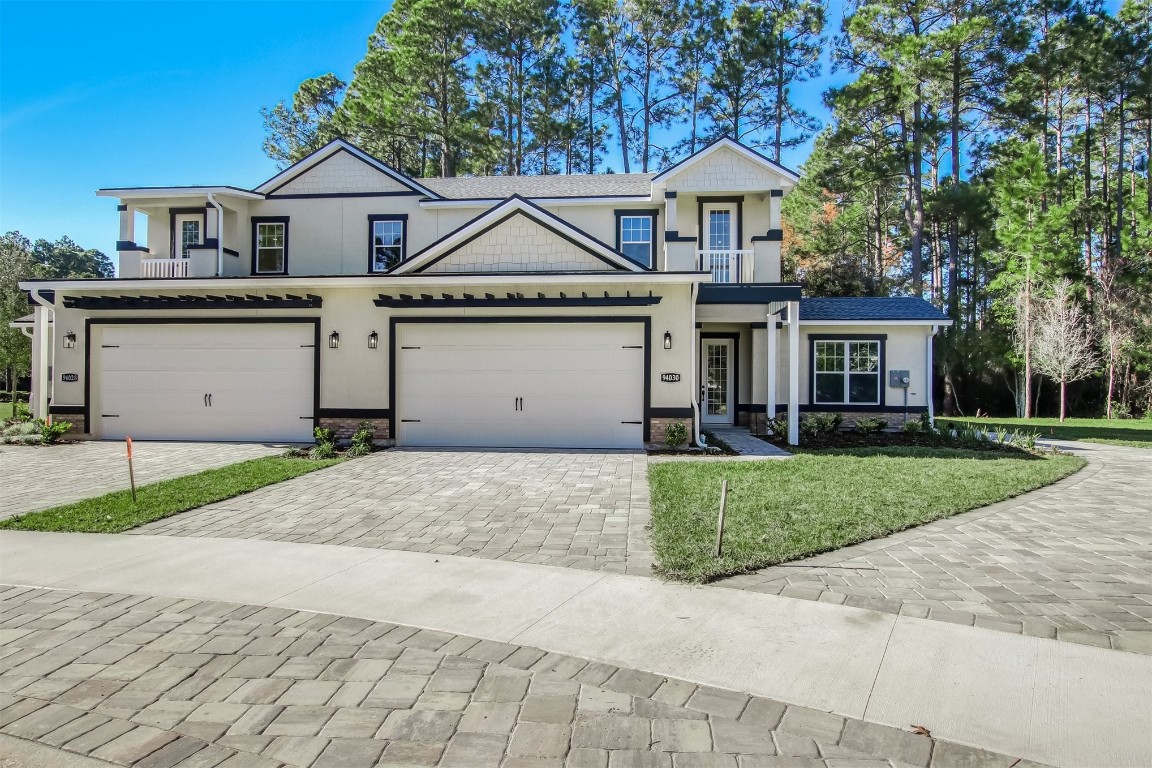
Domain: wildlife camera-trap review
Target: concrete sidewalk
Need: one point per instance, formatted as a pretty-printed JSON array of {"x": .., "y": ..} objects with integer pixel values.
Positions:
[{"x": 1052, "y": 702}]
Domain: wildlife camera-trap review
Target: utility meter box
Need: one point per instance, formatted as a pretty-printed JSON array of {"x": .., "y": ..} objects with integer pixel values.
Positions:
[{"x": 899, "y": 379}]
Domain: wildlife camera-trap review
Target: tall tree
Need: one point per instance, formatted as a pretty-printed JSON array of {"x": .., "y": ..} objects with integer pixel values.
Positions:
[
  {"x": 16, "y": 264},
  {"x": 694, "y": 59},
  {"x": 741, "y": 78},
  {"x": 291, "y": 133},
  {"x": 798, "y": 39},
  {"x": 65, "y": 259},
  {"x": 656, "y": 29}
]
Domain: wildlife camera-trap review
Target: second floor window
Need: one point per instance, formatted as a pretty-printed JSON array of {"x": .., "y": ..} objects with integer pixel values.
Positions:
[
  {"x": 189, "y": 236},
  {"x": 271, "y": 247},
  {"x": 635, "y": 237},
  {"x": 387, "y": 246}
]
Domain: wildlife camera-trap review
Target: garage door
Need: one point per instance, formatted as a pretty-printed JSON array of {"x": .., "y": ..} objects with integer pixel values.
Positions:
[
  {"x": 565, "y": 385},
  {"x": 238, "y": 382}
]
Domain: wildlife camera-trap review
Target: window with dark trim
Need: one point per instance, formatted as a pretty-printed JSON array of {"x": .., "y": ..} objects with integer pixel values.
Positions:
[
  {"x": 269, "y": 245},
  {"x": 387, "y": 241},
  {"x": 846, "y": 372},
  {"x": 636, "y": 236}
]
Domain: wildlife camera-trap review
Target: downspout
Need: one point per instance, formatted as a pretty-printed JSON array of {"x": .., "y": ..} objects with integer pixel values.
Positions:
[
  {"x": 219, "y": 234},
  {"x": 928, "y": 368},
  {"x": 47, "y": 353},
  {"x": 695, "y": 368}
]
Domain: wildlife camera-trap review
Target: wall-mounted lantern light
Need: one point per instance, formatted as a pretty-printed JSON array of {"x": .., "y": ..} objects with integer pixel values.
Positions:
[
  {"x": 333, "y": 340},
  {"x": 373, "y": 340},
  {"x": 70, "y": 340},
  {"x": 667, "y": 339}
]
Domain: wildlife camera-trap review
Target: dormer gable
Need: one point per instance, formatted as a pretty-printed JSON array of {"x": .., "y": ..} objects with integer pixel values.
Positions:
[
  {"x": 341, "y": 168},
  {"x": 726, "y": 165},
  {"x": 517, "y": 236}
]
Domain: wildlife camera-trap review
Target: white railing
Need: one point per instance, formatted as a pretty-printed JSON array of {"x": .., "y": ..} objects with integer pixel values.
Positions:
[
  {"x": 163, "y": 267},
  {"x": 727, "y": 266}
]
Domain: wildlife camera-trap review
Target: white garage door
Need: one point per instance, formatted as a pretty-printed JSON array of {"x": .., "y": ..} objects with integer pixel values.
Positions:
[
  {"x": 250, "y": 382},
  {"x": 522, "y": 385}
]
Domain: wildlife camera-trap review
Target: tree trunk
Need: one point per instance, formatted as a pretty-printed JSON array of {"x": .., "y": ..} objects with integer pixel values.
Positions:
[
  {"x": 1028, "y": 343},
  {"x": 1063, "y": 390},
  {"x": 954, "y": 218}
]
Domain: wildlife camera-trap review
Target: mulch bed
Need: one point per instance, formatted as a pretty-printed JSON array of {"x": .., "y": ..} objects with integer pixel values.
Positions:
[{"x": 854, "y": 439}]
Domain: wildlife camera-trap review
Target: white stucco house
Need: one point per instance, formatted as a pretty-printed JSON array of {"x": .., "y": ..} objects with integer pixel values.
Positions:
[{"x": 585, "y": 311}]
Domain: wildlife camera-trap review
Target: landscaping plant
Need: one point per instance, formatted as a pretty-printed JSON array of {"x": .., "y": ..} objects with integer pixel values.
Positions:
[
  {"x": 676, "y": 435},
  {"x": 868, "y": 426}
]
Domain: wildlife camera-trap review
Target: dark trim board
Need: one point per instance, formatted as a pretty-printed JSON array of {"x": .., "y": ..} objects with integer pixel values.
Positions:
[
  {"x": 256, "y": 221},
  {"x": 734, "y": 336},
  {"x": 645, "y": 320},
  {"x": 882, "y": 338},
  {"x": 774, "y": 235},
  {"x": 673, "y": 236},
  {"x": 327, "y": 195},
  {"x": 849, "y": 408},
  {"x": 182, "y": 301},
  {"x": 427, "y": 301},
  {"x": 751, "y": 408},
  {"x": 66, "y": 410},
  {"x": 671, "y": 413},
  {"x": 355, "y": 413},
  {"x": 89, "y": 322}
]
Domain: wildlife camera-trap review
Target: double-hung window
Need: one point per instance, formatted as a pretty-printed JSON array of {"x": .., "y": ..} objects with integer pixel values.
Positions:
[
  {"x": 385, "y": 241},
  {"x": 269, "y": 245},
  {"x": 846, "y": 372},
  {"x": 635, "y": 235}
]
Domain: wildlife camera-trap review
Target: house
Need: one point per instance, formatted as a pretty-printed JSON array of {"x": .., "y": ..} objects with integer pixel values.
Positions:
[{"x": 586, "y": 311}]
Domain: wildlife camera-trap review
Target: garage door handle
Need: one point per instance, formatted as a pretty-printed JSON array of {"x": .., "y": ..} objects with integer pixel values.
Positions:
[
  {"x": 209, "y": 399},
  {"x": 109, "y": 415},
  {"x": 205, "y": 399},
  {"x": 631, "y": 422},
  {"x": 410, "y": 421}
]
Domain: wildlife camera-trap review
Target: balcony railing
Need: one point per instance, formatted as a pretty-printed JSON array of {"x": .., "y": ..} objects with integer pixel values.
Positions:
[
  {"x": 727, "y": 266},
  {"x": 164, "y": 267}
]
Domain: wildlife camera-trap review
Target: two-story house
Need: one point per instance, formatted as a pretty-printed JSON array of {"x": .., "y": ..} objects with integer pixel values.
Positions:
[{"x": 582, "y": 311}]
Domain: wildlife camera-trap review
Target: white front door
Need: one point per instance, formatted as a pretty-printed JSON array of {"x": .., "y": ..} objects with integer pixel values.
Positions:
[
  {"x": 717, "y": 385},
  {"x": 719, "y": 241},
  {"x": 520, "y": 385},
  {"x": 205, "y": 381},
  {"x": 188, "y": 230}
]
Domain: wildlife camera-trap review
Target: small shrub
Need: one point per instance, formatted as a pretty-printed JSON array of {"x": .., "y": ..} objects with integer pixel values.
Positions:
[
  {"x": 324, "y": 435},
  {"x": 52, "y": 431},
  {"x": 1025, "y": 440},
  {"x": 676, "y": 435},
  {"x": 21, "y": 433},
  {"x": 362, "y": 440},
  {"x": 778, "y": 426},
  {"x": 820, "y": 423},
  {"x": 1121, "y": 410},
  {"x": 909, "y": 427},
  {"x": 295, "y": 453},
  {"x": 869, "y": 426},
  {"x": 322, "y": 451}
]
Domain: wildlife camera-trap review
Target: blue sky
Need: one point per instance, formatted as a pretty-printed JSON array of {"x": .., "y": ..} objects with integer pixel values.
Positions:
[{"x": 105, "y": 94}]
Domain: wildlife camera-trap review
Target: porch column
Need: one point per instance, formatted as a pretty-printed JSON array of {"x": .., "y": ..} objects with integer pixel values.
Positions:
[
  {"x": 127, "y": 224},
  {"x": 770, "y": 402},
  {"x": 40, "y": 353},
  {"x": 211, "y": 223},
  {"x": 793, "y": 373}
]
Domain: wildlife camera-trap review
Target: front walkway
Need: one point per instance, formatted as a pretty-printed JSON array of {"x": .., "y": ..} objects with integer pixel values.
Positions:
[
  {"x": 1056, "y": 703},
  {"x": 38, "y": 477},
  {"x": 579, "y": 509},
  {"x": 1071, "y": 561},
  {"x": 745, "y": 443}
]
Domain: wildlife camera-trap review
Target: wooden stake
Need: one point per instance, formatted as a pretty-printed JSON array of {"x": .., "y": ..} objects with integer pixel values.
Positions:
[
  {"x": 723, "y": 509},
  {"x": 131, "y": 474}
]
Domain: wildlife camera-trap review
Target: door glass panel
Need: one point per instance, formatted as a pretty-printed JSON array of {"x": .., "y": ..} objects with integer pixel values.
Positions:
[
  {"x": 189, "y": 235},
  {"x": 720, "y": 230},
  {"x": 716, "y": 395}
]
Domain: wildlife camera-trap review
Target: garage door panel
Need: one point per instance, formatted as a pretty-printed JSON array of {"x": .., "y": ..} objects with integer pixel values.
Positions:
[
  {"x": 580, "y": 385},
  {"x": 153, "y": 380}
]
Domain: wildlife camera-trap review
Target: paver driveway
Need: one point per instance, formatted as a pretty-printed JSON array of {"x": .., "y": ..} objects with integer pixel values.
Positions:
[
  {"x": 580, "y": 509},
  {"x": 1072, "y": 561},
  {"x": 38, "y": 477},
  {"x": 156, "y": 682}
]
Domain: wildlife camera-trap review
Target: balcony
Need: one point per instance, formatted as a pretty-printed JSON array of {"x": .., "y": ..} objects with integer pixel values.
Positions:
[
  {"x": 164, "y": 267},
  {"x": 728, "y": 266}
]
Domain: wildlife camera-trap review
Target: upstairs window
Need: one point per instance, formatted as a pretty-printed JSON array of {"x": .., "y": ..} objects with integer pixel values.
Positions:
[
  {"x": 386, "y": 241},
  {"x": 634, "y": 235},
  {"x": 269, "y": 246},
  {"x": 846, "y": 372}
]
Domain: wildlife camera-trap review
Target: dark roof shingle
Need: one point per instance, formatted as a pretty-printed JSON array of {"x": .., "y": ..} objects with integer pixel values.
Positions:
[{"x": 870, "y": 308}]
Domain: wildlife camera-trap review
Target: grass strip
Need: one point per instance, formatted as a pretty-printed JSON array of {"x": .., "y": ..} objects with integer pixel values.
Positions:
[
  {"x": 811, "y": 503},
  {"x": 115, "y": 512}
]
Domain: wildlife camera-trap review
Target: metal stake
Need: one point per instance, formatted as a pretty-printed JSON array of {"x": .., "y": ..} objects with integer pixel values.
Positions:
[
  {"x": 131, "y": 474},
  {"x": 723, "y": 509}
]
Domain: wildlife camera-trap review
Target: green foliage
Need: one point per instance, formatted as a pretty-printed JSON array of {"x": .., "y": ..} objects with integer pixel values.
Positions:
[
  {"x": 820, "y": 423},
  {"x": 362, "y": 440},
  {"x": 52, "y": 431},
  {"x": 778, "y": 425},
  {"x": 676, "y": 435},
  {"x": 324, "y": 435},
  {"x": 322, "y": 451},
  {"x": 869, "y": 426},
  {"x": 21, "y": 433}
]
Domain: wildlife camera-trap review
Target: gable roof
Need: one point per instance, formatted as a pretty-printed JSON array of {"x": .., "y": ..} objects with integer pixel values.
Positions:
[
  {"x": 552, "y": 185},
  {"x": 724, "y": 143},
  {"x": 328, "y": 150},
  {"x": 497, "y": 215},
  {"x": 871, "y": 308}
]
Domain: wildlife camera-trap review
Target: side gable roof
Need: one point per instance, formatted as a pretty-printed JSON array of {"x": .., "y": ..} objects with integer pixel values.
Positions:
[
  {"x": 331, "y": 148},
  {"x": 497, "y": 215},
  {"x": 724, "y": 143}
]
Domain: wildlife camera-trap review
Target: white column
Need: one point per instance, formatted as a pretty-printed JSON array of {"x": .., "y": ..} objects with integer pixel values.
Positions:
[
  {"x": 770, "y": 402},
  {"x": 211, "y": 223},
  {"x": 774, "y": 211},
  {"x": 127, "y": 223},
  {"x": 670, "y": 219},
  {"x": 793, "y": 373},
  {"x": 928, "y": 373},
  {"x": 43, "y": 349}
]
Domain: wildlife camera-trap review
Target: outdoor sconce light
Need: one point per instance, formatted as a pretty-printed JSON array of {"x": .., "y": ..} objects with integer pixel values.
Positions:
[
  {"x": 70, "y": 340},
  {"x": 667, "y": 339},
  {"x": 333, "y": 340},
  {"x": 373, "y": 340}
]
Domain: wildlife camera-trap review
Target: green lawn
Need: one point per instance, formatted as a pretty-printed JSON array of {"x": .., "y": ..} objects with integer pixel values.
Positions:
[
  {"x": 812, "y": 503},
  {"x": 115, "y": 512},
  {"x": 1131, "y": 432}
]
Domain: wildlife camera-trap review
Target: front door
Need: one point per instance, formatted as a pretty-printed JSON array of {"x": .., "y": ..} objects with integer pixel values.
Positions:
[
  {"x": 717, "y": 385},
  {"x": 188, "y": 230},
  {"x": 720, "y": 242}
]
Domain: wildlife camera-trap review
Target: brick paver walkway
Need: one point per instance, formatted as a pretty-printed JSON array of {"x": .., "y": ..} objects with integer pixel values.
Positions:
[
  {"x": 1072, "y": 561},
  {"x": 38, "y": 477},
  {"x": 159, "y": 682},
  {"x": 744, "y": 443},
  {"x": 580, "y": 509}
]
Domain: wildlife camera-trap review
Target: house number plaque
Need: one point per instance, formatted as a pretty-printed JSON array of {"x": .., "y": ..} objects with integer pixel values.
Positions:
[
  {"x": 669, "y": 377},
  {"x": 69, "y": 377}
]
